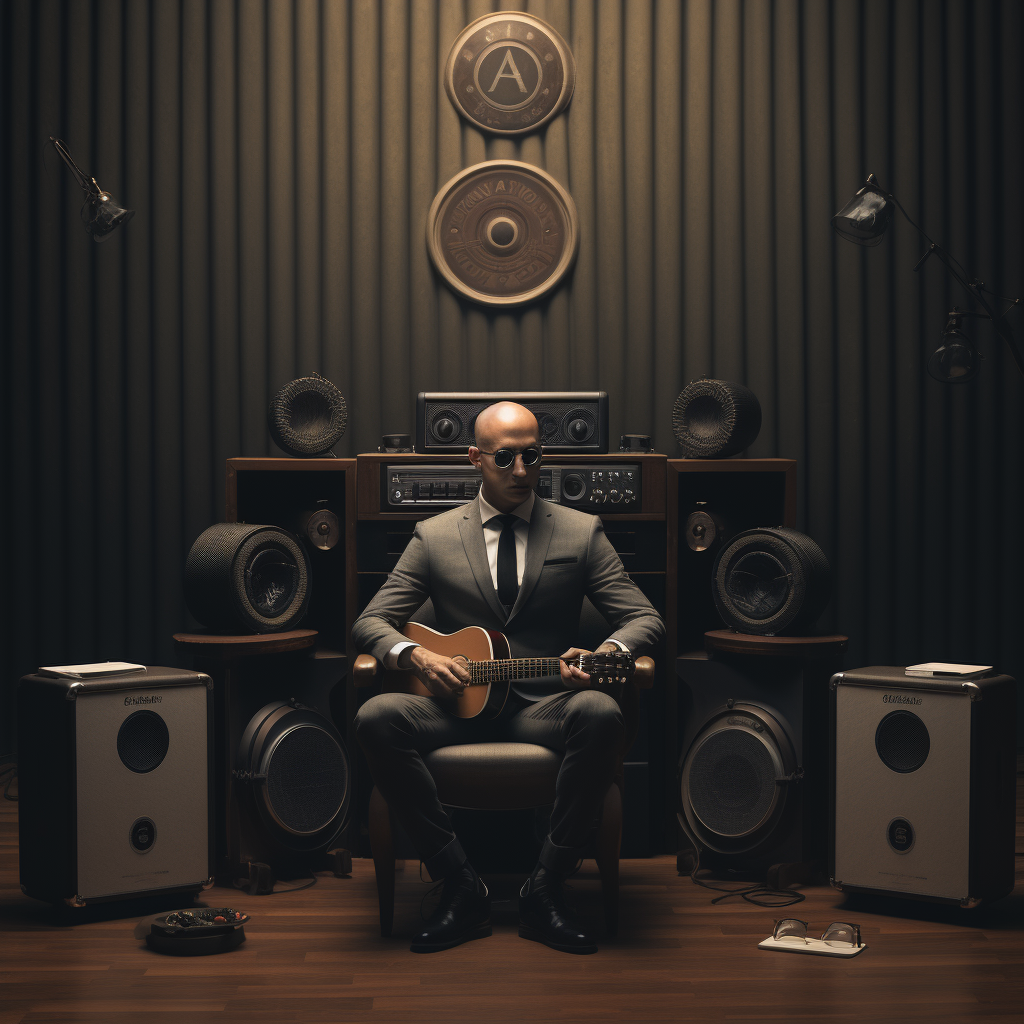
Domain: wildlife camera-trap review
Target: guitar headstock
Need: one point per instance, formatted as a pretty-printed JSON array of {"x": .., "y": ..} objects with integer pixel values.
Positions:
[{"x": 611, "y": 668}]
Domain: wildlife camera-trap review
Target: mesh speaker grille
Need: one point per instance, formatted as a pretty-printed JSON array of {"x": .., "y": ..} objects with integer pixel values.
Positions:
[
  {"x": 732, "y": 782},
  {"x": 142, "y": 741},
  {"x": 307, "y": 416},
  {"x": 715, "y": 418},
  {"x": 307, "y": 779},
  {"x": 902, "y": 741}
]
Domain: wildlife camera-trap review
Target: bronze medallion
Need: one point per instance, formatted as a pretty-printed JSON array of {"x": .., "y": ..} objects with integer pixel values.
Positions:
[
  {"x": 509, "y": 73},
  {"x": 502, "y": 232}
]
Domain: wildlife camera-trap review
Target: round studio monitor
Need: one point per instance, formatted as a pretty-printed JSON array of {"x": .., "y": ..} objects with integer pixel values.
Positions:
[
  {"x": 249, "y": 578},
  {"x": 308, "y": 417},
  {"x": 771, "y": 581},
  {"x": 732, "y": 778},
  {"x": 715, "y": 419},
  {"x": 298, "y": 774}
]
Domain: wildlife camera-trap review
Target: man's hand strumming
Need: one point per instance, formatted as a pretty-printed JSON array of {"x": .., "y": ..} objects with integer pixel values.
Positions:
[{"x": 443, "y": 677}]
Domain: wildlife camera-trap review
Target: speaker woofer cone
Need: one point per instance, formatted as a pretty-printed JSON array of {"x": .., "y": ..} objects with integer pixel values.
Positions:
[
  {"x": 241, "y": 576},
  {"x": 714, "y": 419},
  {"x": 771, "y": 581},
  {"x": 307, "y": 417},
  {"x": 142, "y": 742},
  {"x": 902, "y": 741},
  {"x": 300, "y": 774},
  {"x": 731, "y": 793}
]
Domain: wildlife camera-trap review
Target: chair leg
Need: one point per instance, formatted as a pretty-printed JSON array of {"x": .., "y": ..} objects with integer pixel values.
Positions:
[
  {"x": 383, "y": 848},
  {"x": 609, "y": 842}
]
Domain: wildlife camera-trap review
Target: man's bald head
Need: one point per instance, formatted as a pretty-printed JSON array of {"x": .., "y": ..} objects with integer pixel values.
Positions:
[
  {"x": 505, "y": 420},
  {"x": 505, "y": 425}
]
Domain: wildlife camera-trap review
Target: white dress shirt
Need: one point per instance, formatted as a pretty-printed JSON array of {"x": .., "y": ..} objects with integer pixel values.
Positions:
[{"x": 492, "y": 533}]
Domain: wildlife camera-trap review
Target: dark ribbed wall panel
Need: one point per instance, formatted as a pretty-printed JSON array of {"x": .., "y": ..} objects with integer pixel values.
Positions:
[{"x": 281, "y": 157}]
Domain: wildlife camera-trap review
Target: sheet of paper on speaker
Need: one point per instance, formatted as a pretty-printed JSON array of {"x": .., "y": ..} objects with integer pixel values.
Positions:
[
  {"x": 942, "y": 668},
  {"x": 99, "y": 668}
]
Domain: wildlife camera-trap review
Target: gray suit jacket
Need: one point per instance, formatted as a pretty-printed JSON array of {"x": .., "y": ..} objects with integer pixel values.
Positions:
[{"x": 568, "y": 556}]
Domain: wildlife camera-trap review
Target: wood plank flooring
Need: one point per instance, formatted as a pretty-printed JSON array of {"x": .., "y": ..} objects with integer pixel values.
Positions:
[{"x": 317, "y": 956}]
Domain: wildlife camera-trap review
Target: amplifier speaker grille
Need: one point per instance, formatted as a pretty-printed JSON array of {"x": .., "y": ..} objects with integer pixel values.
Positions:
[
  {"x": 732, "y": 782},
  {"x": 142, "y": 741},
  {"x": 902, "y": 741},
  {"x": 307, "y": 779}
]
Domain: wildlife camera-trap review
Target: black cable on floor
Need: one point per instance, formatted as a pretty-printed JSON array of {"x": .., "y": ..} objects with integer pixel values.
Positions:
[{"x": 759, "y": 894}]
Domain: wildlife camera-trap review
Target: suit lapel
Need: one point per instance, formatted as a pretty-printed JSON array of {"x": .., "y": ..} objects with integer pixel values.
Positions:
[
  {"x": 538, "y": 541},
  {"x": 472, "y": 530}
]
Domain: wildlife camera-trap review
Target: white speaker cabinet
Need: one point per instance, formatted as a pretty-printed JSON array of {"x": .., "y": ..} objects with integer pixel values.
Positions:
[
  {"x": 923, "y": 785},
  {"x": 114, "y": 785}
]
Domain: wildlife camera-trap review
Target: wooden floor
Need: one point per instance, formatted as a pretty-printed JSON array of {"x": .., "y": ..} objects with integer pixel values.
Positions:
[{"x": 318, "y": 956}]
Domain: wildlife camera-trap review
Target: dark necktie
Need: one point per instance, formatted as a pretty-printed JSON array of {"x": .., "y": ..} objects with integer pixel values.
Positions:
[{"x": 508, "y": 577}]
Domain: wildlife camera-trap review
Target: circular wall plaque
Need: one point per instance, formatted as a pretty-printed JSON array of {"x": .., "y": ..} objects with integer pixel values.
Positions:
[
  {"x": 502, "y": 232},
  {"x": 509, "y": 73}
]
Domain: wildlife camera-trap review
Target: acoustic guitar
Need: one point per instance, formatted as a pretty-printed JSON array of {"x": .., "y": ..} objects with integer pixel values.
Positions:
[{"x": 492, "y": 670}]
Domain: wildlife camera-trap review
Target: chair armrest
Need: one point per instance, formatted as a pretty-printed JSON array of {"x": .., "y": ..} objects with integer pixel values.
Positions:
[
  {"x": 365, "y": 669},
  {"x": 643, "y": 673}
]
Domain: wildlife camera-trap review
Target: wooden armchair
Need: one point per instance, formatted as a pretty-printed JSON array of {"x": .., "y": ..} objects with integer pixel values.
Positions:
[{"x": 504, "y": 776}]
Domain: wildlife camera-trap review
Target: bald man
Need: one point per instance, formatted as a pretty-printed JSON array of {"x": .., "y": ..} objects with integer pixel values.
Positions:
[{"x": 509, "y": 561}]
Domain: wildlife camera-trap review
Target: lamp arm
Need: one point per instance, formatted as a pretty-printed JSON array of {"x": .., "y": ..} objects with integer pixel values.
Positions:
[
  {"x": 971, "y": 287},
  {"x": 84, "y": 183}
]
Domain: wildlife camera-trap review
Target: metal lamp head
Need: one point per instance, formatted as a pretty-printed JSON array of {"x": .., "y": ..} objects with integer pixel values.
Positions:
[
  {"x": 102, "y": 213},
  {"x": 956, "y": 360},
  {"x": 866, "y": 216}
]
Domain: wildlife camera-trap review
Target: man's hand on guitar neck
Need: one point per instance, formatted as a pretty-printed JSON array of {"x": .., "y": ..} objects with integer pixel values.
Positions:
[
  {"x": 443, "y": 677},
  {"x": 572, "y": 677}
]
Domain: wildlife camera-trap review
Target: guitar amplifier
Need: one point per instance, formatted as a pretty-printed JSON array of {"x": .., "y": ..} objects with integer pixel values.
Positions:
[
  {"x": 571, "y": 422},
  {"x": 923, "y": 785}
]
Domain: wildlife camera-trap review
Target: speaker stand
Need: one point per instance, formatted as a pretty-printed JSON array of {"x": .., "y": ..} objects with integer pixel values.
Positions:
[{"x": 220, "y": 658}]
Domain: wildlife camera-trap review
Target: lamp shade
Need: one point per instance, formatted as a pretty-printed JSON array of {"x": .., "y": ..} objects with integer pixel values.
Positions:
[
  {"x": 956, "y": 360},
  {"x": 102, "y": 213},
  {"x": 865, "y": 217}
]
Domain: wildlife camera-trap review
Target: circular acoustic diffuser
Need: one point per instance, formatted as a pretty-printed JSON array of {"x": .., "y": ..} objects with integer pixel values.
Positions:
[
  {"x": 502, "y": 233},
  {"x": 771, "y": 581},
  {"x": 307, "y": 417},
  {"x": 253, "y": 578},
  {"x": 715, "y": 419},
  {"x": 297, "y": 765},
  {"x": 509, "y": 73},
  {"x": 731, "y": 780}
]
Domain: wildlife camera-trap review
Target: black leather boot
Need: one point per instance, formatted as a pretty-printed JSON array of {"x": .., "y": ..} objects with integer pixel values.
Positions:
[
  {"x": 464, "y": 913},
  {"x": 544, "y": 916}
]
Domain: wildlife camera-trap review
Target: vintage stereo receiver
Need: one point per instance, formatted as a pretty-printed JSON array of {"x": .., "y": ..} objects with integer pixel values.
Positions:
[{"x": 609, "y": 487}]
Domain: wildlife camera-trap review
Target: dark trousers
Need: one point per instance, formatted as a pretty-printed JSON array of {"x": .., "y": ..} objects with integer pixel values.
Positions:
[{"x": 585, "y": 726}]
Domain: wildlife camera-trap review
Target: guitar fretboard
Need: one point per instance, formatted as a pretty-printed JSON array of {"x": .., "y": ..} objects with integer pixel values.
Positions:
[{"x": 484, "y": 672}]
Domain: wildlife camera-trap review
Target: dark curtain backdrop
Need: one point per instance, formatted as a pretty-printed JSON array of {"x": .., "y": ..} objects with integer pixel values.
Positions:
[{"x": 281, "y": 157}]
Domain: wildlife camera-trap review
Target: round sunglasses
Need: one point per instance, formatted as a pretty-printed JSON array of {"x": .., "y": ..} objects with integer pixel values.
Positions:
[{"x": 504, "y": 457}]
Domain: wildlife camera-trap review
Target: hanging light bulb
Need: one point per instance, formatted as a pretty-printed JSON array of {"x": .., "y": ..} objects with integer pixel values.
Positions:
[{"x": 956, "y": 360}]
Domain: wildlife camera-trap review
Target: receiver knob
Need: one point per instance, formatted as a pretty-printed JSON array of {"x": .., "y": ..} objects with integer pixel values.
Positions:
[
  {"x": 615, "y": 495},
  {"x": 444, "y": 428}
]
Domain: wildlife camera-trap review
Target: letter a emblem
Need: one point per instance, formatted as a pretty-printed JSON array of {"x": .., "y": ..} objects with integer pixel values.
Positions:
[{"x": 513, "y": 72}]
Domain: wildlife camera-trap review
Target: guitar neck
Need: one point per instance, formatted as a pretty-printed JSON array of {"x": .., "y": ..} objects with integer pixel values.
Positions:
[{"x": 503, "y": 669}]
